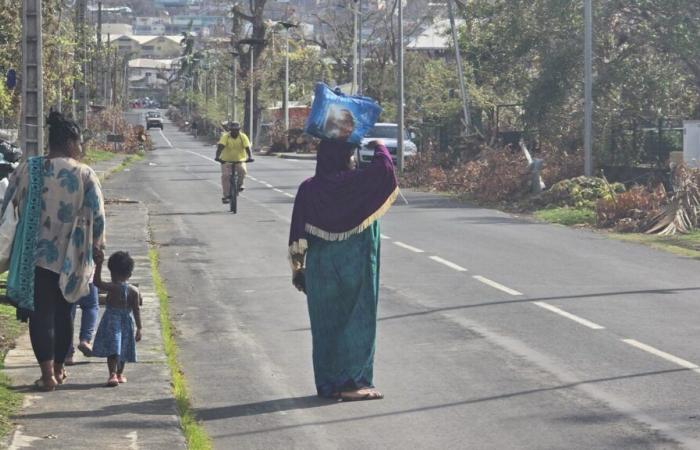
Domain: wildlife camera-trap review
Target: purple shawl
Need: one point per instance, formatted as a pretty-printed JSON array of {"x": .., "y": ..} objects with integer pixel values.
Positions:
[{"x": 337, "y": 202}]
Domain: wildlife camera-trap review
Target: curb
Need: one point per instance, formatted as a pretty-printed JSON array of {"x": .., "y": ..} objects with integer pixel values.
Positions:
[{"x": 296, "y": 156}]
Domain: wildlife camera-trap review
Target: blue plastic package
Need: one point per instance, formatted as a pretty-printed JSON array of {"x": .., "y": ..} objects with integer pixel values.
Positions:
[{"x": 337, "y": 116}]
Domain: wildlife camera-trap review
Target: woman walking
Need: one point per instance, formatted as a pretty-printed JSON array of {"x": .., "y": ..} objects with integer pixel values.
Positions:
[
  {"x": 61, "y": 220},
  {"x": 334, "y": 249}
]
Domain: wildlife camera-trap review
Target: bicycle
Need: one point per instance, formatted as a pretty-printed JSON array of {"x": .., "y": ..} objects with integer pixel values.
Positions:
[{"x": 233, "y": 186}]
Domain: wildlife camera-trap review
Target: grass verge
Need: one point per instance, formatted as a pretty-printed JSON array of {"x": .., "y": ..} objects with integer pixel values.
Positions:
[
  {"x": 687, "y": 245},
  {"x": 93, "y": 156},
  {"x": 567, "y": 216},
  {"x": 129, "y": 160},
  {"x": 195, "y": 435},
  {"x": 10, "y": 400}
]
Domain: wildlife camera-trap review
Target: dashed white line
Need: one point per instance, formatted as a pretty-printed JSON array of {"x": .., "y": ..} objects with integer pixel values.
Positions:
[
  {"x": 252, "y": 178},
  {"x": 449, "y": 264},
  {"x": 167, "y": 141},
  {"x": 289, "y": 195},
  {"x": 495, "y": 285},
  {"x": 575, "y": 318},
  {"x": 408, "y": 247},
  {"x": 661, "y": 354},
  {"x": 384, "y": 236},
  {"x": 278, "y": 190},
  {"x": 200, "y": 155}
]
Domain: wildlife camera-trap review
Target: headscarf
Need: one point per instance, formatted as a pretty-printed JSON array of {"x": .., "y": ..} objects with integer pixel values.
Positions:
[{"x": 339, "y": 202}]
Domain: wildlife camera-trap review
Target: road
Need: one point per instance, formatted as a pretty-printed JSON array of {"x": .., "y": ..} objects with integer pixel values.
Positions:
[{"x": 495, "y": 332}]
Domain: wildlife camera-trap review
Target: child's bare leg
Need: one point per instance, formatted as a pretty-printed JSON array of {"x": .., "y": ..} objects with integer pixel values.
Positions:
[
  {"x": 120, "y": 372},
  {"x": 112, "y": 364}
]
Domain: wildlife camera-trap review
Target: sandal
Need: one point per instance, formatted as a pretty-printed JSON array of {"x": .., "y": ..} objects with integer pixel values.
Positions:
[
  {"x": 61, "y": 377},
  {"x": 121, "y": 379},
  {"x": 85, "y": 349},
  {"x": 42, "y": 386},
  {"x": 355, "y": 396},
  {"x": 113, "y": 381}
]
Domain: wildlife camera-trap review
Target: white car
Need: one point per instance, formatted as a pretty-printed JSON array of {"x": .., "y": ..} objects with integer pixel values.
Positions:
[
  {"x": 154, "y": 120},
  {"x": 388, "y": 132}
]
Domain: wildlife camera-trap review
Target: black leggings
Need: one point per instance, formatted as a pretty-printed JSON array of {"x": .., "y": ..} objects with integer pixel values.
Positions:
[{"x": 50, "y": 324}]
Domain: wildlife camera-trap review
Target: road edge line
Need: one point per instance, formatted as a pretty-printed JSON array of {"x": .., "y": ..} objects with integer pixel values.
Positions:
[{"x": 196, "y": 436}]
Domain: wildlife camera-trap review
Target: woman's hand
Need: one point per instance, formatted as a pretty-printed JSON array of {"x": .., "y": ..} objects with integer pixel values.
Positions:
[
  {"x": 375, "y": 143},
  {"x": 299, "y": 280},
  {"x": 138, "y": 335}
]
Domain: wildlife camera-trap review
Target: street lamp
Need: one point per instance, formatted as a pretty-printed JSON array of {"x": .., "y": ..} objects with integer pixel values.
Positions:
[
  {"x": 249, "y": 45},
  {"x": 286, "y": 26}
]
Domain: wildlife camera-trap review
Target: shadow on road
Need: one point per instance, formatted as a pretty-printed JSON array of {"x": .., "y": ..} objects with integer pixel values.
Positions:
[
  {"x": 270, "y": 406},
  {"x": 453, "y": 404}
]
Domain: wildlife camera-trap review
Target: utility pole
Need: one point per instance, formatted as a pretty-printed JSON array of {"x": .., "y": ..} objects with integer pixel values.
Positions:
[
  {"x": 354, "y": 50},
  {"x": 359, "y": 47},
  {"x": 234, "y": 85},
  {"x": 252, "y": 93},
  {"x": 400, "y": 143},
  {"x": 588, "y": 94},
  {"x": 32, "y": 130},
  {"x": 81, "y": 90},
  {"x": 460, "y": 70},
  {"x": 99, "y": 87},
  {"x": 285, "y": 100}
]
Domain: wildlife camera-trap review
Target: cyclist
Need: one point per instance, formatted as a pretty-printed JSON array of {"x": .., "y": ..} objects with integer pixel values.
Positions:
[{"x": 233, "y": 151}]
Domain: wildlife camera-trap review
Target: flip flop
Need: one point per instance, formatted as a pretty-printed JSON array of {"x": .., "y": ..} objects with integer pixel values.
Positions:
[
  {"x": 41, "y": 386},
  {"x": 62, "y": 377},
  {"x": 371, "y": 395},
  {"x": 85, "y": 349}
]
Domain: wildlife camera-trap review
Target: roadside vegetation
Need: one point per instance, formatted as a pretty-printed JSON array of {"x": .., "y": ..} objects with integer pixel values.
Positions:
[
  {"x": 10, "y": 400},
  {"x": 195, "y": 434}
]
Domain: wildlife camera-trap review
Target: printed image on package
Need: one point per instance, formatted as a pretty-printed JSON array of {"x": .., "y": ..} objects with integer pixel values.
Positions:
[{"x": 341, "y": 117}]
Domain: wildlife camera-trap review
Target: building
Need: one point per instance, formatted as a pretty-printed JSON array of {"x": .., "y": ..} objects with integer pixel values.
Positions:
[
  {"x": 117, "y": 29},
  {"x": 150, "y": 25},
  {"x": 153, "y": 47},
  {"x": 435, "y": 40},
  {"x": 150, "y": 77}
]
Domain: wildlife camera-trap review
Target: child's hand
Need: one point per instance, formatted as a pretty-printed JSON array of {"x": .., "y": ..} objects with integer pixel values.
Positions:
[
  {"x": 138, "y": 335},
  {"x": 98, "y": 255}
]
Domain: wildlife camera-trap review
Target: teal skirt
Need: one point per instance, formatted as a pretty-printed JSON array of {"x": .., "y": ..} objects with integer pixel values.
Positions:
[{"x": 342, "y": 285}]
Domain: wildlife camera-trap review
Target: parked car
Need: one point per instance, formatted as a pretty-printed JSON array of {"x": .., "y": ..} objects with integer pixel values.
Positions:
[
  {"x": 154, "y": 120},
  {"x": 388, "y": 132}
]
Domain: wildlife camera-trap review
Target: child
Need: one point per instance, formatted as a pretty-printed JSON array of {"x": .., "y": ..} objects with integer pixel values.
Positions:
[{"x": 115, "y": 336}]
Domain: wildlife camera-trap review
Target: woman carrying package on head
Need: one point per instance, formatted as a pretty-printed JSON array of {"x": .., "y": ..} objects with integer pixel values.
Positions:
[{"x": 334, "y": 247}]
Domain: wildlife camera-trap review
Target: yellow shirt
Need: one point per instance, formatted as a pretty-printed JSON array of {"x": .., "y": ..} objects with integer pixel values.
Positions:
[{"x": 234, "y": 148}]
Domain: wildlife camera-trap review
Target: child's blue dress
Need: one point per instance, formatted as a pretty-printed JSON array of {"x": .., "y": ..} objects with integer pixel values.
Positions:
[{"x": 115, "y": 335}]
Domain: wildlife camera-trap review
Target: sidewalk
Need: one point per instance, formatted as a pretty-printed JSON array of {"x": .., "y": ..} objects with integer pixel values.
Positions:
[
  {"x": 299, "y": 156},
  {"x": 83, "y": 414}
]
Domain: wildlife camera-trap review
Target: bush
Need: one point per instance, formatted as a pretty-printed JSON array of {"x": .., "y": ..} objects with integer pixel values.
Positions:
[
  {"x": 579, "y": 192},
  {"x": 628, "y": 211}
]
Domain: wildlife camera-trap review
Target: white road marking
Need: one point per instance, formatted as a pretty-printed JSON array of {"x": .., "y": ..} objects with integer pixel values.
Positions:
[
  {"x": 575, "y": 318},
  {"x": 134, "y": 440},
  {"x": 449, "y": 264},
  {"x": 269, "y": 185},
  {"x": 252, "y": 178},
  {"x": 278, "y": 190},
  {"x": 289, "y": 195},
  {"x": 495, "y": 285},
  {"x": 408, "y": 247},
  {"x": 661, "y": 354},
  {"x": 167, "y": 141},
  {"x": 384, "y": 236},
  {"x": 200, "y": 155}
]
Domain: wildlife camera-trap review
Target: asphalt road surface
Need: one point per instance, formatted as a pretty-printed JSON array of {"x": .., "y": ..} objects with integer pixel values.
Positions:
[{"x": 494, "y": 332}]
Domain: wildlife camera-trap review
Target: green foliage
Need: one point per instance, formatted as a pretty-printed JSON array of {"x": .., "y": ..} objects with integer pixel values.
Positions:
[
  {"x": 580, "y": 192},
  {"x": 567, "y": 215}
]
